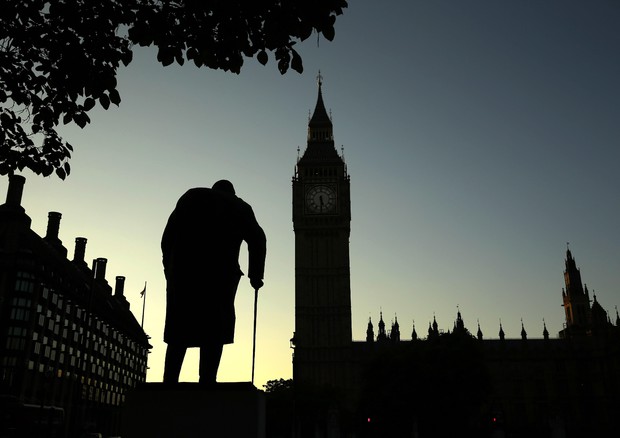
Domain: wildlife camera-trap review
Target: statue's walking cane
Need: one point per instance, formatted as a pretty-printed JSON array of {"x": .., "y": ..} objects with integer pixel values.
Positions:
[{"x": 254, "y": 341}]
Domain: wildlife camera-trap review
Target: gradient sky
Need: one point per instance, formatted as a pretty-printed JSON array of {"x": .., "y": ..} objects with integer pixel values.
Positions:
[{"x": 480, "y": 137}]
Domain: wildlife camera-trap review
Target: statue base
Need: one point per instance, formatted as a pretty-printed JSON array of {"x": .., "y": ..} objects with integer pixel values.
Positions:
[{"x": 193, "y": 410}]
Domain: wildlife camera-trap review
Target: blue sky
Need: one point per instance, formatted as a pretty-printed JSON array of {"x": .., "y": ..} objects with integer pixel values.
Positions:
[{"x": 480, "y": 137}]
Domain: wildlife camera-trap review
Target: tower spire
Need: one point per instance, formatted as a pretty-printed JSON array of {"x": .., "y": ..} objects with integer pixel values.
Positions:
[
  {"x": 370, "y": 332},
  {"x": 395, "y": 333},
  {"x": 320, "y": 127},
  {"x": 523, "y": 332},
  {"x": 575, "y": 297},
  {"x": 382, "y": 336}
]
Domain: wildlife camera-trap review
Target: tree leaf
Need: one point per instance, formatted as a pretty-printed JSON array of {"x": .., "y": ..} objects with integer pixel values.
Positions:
[
  {"x": 61, "y": 173},
  {"x": 115, "y": 97},
  {"x": 329, "y": 32},
  {"x": 262, "y": 57},
  {"x": 104, "y": 100},
  {"x": 89, "y": 103},
  {"x": 296, "y": 62},
  {"x": 165, "y": 56}
]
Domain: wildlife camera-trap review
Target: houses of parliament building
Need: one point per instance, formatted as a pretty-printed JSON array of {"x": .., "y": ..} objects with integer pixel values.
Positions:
[{"x": 446, "y": 383}]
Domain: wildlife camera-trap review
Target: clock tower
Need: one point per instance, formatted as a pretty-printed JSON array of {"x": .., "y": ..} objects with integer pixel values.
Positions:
[{"x": 322, "y": 225}]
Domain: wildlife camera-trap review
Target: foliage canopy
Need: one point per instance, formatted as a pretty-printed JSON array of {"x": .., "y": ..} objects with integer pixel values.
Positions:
[{"x": 59, "y": 58}]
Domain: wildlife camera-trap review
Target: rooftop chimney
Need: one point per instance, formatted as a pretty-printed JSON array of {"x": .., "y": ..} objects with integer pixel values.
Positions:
[
  {"x": 80, "y": 251},
  {"x": 99, "y": 268},
  {"x": 120, "y": 286},
  {"x": 15, "y": 191},
  {"x": 53, "y": 225},
  {"x": 12, "y": 210},
  {"x": 119, "y": 290}
]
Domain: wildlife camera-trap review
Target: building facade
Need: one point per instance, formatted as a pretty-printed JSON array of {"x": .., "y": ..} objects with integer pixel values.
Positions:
[
  {"x": 70, "y": 347},
  {"x": 322, "y": 225},
  {"x": 449, "y": 382}
]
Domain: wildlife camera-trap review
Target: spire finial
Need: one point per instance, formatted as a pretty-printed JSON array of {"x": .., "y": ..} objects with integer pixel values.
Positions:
[
  {"x": 319, "y": 79},
  {"x": 523, "y": 332},
  {"x": 569, "y": 255}
]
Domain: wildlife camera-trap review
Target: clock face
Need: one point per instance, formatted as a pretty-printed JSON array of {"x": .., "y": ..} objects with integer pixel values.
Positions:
[{"x": 321, "y": 199}]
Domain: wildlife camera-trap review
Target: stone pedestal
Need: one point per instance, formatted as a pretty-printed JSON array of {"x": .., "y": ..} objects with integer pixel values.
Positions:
[{"x": 192, "y": 410}]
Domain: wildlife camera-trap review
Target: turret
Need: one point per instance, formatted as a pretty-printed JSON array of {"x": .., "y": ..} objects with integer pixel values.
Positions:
[
  {"x": 370, "y": 332},
  {"x": 575, "y": 299},
  {"x": 523, "y": 332},
  {"x": 395, "y": 333},
  {"x": 382, "y": 336}
]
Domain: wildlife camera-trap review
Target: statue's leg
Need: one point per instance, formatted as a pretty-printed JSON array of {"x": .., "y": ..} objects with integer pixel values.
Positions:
[
  {"x": 210, "y": 356},
  {"x": 174, "y": 359}
]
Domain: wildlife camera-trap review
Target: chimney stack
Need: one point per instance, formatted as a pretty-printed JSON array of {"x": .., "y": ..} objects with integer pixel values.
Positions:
[
  {"x": 15, "y": 191},
  {"x": 80, "y": 251},
  {"x": 120, "y": 286},
  {"x": 99, "y": 268},
  {"x": 53, "y": 225},
  {"x": 12, "y": 209}
]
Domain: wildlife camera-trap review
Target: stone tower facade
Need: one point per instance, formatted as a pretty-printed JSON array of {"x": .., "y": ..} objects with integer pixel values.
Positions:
[
  {"x": 322, "y": 225},
  {"x": 575, "y": 299}
]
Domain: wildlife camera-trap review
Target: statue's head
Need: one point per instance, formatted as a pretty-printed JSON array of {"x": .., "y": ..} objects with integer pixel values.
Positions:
[{"x": 225, "y": 186}]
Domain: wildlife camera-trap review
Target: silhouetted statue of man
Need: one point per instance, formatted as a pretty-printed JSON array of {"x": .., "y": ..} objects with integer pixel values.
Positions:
[{"x": 200, "y": 248}]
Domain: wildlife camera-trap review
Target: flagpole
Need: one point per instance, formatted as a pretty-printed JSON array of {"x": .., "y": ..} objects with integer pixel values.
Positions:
[{"x": 143, "y": 305}]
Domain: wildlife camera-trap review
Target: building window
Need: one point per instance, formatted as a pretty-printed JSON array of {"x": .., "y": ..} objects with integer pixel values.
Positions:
[
  {"x": 24, "y": 282},
  {"x": 13, "y": 343},
  {"x": 20, "y": 314}
]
